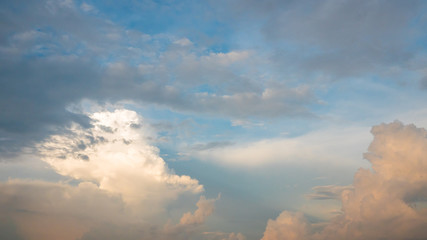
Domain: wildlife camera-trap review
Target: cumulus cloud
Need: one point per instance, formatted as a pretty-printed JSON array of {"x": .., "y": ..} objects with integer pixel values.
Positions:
[
  {"x": 205, "y": 207},
  {"x": 287, "y": 225},
  {"x": 44, "y": 210},
  {"x": 179, "y": 231},
  {"x": 118, "y": 187},
  {"x": 381, "y": 204},
  {"x": 115, "y": 154}
]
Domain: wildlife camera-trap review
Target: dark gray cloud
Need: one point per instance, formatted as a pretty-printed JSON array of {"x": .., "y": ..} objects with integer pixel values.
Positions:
[{"x": 34, "y": 94}]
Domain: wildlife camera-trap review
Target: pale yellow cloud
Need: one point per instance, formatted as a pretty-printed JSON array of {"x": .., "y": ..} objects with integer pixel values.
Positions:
[{"x": 116, "y": 155}]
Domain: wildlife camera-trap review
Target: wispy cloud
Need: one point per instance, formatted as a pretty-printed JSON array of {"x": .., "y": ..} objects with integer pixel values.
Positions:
[
  {"x": 328, "y": 192},
  {"x": 332, "y": 145}
]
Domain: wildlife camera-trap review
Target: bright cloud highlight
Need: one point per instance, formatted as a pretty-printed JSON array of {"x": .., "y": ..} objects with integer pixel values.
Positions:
[{"x": 115, "y": 154}]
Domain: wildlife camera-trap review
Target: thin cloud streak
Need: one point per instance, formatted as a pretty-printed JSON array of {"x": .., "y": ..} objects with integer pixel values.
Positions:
[{"x": 332, "y": 145}]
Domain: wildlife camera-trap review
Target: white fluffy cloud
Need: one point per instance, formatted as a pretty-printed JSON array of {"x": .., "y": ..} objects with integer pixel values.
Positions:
[
  {"x": 382, "y": 204},
  {"x": 119, "y": 187},
  {"x": 115, "y": 154}
]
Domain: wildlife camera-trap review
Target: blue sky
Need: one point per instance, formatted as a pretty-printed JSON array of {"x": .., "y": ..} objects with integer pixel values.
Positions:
[{"x": 212, "y": 119}]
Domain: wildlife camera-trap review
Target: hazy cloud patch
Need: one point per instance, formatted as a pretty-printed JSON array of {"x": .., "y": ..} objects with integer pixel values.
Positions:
[
  {"x": 327, "y": 145},
  {"x": 328, "y": 192}
]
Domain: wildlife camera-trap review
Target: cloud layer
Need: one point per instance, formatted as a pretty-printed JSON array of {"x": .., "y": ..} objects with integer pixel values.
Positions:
[
  {"x": 337, "y": 39},
  {"x": 55, "y": 53},
  {"x": 383, "y": 203},
  {"x": 259, "y": 89}
]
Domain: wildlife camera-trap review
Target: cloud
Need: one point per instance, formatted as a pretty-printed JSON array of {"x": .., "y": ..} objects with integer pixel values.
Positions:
[
  {"x": 225, "y": 58},
  {"x": 55, "y": 54},
  {"x": 117, "y": 187},
  {"x": 245, "y": 123},
  {"x": 179, "y": 231},
  {"x": 382, "y": 203},
  {"x": 34, "y": 95},
  {"x": 211, "y": 145},
  {"x": 269, "y": 103},
  {"x": 44, "y": 210},
  {"x": 287, "y": 225},
  {"x": 86, "y": 7},
  {"x": 336, "y": 39},
  {"x": 330, "y": 145},
  {"x": 224, "y": 236},
  {"x": 328, "y": 192},
  {"x": 184, "y": 42},
  {"x": 204, "y": 208},
  {"x": 234, "y": 236},
  {"x": 116, "y": 154}
]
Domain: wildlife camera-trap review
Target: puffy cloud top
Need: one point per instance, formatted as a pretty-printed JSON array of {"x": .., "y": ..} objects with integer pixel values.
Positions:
[
  {"x": 115, "y": 154},
  {"x": 382, "y": 204}
]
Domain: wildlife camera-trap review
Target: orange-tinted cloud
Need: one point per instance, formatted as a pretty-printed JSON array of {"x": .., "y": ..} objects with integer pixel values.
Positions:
[
  {"x": 34, "y": 210},
  {"x": 382, "y": 204}
]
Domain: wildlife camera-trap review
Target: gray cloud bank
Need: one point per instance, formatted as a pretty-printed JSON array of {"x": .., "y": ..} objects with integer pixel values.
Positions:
[
  {"x": 338, "y": 39},
  {"x": 382, "y": 203},
  {"x": 54, "y": 54}
]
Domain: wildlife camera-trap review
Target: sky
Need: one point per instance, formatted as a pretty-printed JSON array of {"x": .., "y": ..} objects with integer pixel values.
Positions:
[{"x": 213, "y": 120}]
